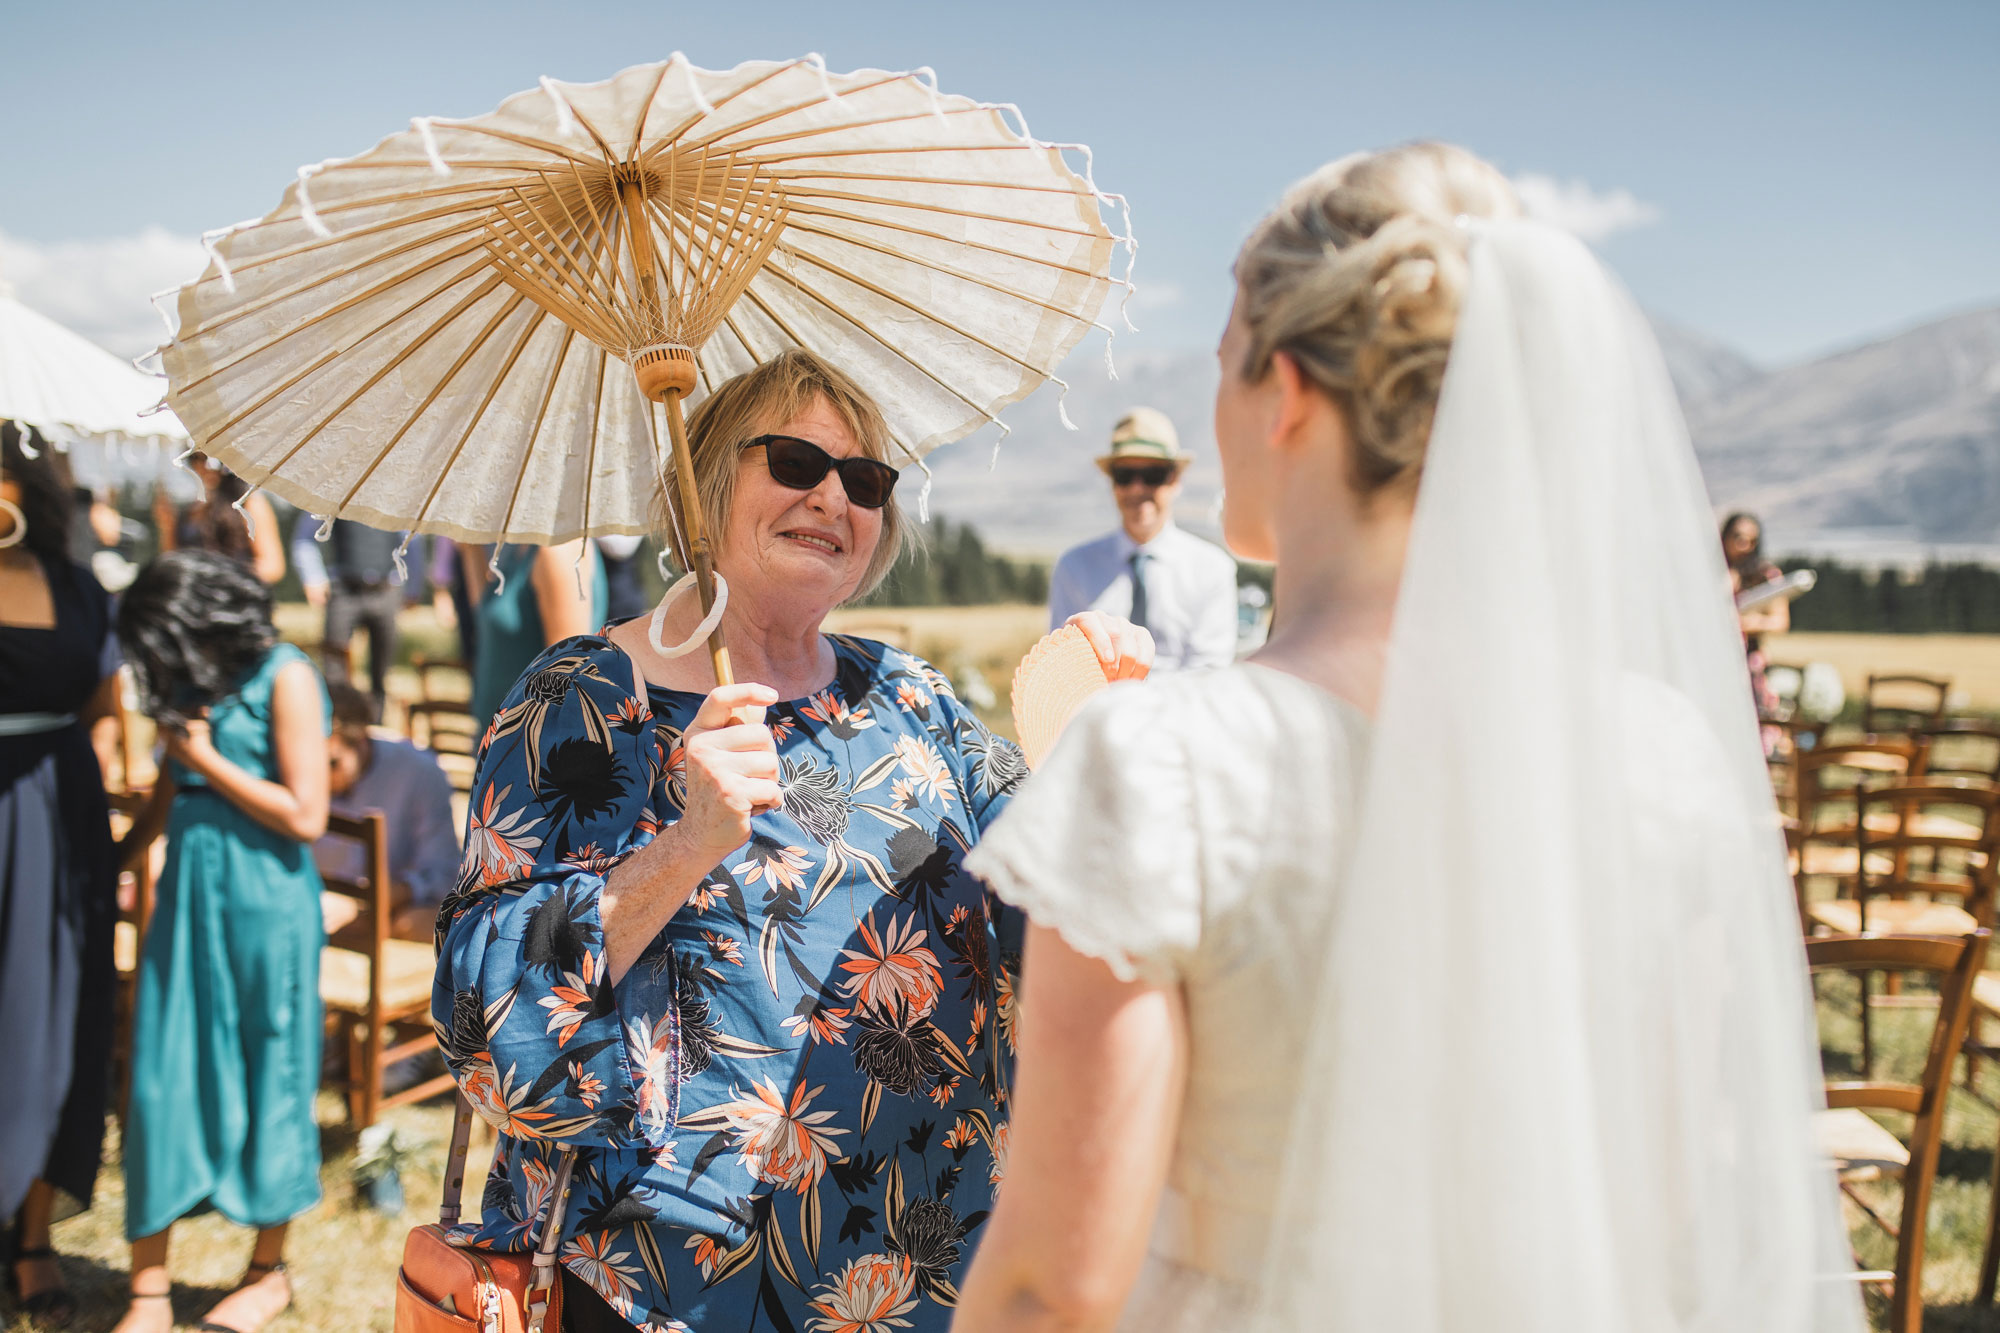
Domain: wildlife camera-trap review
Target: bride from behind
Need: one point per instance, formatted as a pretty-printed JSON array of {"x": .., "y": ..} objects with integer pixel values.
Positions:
[{"x": 1435, "y": 969}]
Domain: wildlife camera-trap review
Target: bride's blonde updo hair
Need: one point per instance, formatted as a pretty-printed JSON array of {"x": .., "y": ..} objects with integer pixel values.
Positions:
[{"x": 1357, "y": 275}]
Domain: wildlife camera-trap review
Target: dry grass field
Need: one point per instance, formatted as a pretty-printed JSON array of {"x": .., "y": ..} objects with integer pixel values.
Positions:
[
  {"x": 1970, "y": 661},
  {"x": 344, "y": 1255}
]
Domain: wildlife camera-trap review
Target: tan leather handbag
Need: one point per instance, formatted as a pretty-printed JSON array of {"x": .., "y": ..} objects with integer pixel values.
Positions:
[{"x": 444, "y": 1288}]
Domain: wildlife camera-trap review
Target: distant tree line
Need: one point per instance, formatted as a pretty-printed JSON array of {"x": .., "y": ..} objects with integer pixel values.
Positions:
[
  {"x": 954, "y": 568},
  {"x": 1939, "y": 599}
]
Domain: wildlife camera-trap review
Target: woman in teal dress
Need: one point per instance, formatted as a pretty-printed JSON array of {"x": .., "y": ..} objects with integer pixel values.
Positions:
[
  {"x": 226, "y": 1032},
  {"x": 540, "y": 595}
]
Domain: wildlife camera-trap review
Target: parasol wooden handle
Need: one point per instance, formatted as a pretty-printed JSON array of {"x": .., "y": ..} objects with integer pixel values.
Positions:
[{"x": 665, "y": 376}]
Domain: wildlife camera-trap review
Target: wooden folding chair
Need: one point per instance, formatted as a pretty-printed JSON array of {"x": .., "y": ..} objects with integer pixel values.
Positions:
[
  {"x": 1901, "y": 703},
  {"x": 1960, "y": 747},
  {"x": 1829, "y": 777},
  {"x": 1861, "y": 1148},
  {"x": 376, "y": 987},
  {"x": 447, "y": 729}
]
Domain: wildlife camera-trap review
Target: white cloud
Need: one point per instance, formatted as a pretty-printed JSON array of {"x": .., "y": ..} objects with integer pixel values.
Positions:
[
  {"x": 100, "y": 287},
  {"x": 1575, "y": 206}
]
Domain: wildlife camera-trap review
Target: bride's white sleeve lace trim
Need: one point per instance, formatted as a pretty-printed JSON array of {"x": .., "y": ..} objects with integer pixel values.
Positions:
[{"x": 1099, "y": 844}]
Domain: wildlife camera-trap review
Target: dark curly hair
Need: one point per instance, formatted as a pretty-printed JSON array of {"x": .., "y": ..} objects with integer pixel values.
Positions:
[
  {"x": 46, "y": 499},
  {"x": 192, "y": 624}
]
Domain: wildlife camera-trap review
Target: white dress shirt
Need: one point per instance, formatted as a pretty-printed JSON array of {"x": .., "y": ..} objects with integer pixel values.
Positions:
[{"x": 1190, "y": 593}]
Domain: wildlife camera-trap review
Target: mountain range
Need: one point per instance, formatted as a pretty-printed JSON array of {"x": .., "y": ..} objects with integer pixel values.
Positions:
[{"x": 1898, "y": 438}]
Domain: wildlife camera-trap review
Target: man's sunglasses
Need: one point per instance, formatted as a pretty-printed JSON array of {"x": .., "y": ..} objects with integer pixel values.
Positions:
[
  {"x": 1142, "y": 474},
  {"x": 802, "y": 465}
]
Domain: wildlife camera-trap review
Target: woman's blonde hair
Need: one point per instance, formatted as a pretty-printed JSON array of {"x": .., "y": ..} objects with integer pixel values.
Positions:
[
  {"x": 1357, "y": 276},
  {"x": 758, "y": 402}
]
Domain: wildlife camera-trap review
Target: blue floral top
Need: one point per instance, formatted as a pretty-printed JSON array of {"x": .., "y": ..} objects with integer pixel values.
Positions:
[{"x": 792, "y": 1106}]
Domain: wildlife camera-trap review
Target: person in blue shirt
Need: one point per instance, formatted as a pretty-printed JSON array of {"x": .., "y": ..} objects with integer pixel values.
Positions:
[{"x": 369, "y": 771}]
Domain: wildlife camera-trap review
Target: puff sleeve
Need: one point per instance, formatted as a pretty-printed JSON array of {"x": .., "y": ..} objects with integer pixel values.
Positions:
[{"x": 1100, "y": 843}]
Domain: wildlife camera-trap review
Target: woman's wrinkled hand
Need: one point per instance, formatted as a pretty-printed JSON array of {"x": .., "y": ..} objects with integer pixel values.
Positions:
[
  {"x": 732, "y": 769},
  {"x": 1123, "y": 649}
]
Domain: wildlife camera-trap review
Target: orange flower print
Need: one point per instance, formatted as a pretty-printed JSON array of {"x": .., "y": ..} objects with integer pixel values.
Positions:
[
  {"x": 781, "y": 729},
  {"x": 610, "y": 1272},
  {"x": 944, "y": 1091},
  {"x": 961, "y": 1135},
  {"x": 868, "y": 1297},
  {"x": 589, "y": 1087},
  {"x": 708, "y": 1251},
  {"x": 826, "y": 1025},
  {"x": 784, "y": 1144},
  {"x": 978, "y": 1033},
  {"x": 501, "y": 1104},
  {"x": 649, "y": 1051},
  {"x": 927, "y": 770},
  {"x": 783, "y": 866},
  {"x": 1010, "y": 1006},
  {"x": 722, "y": 947},
  {"x": 572, "y": 1000},
  {"x": 893, "y": 967},
  {"x": 900, "y": 794},
  {"x": 910, "y": 697},
  {"x": 830, "y": 708},
  {"x": 632, "y": 714},
  {"x": 997, "y": 1172},
  {"x": 498, "y": 843}
]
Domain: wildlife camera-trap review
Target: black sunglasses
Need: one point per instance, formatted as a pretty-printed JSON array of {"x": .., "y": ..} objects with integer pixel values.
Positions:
[
  {"x": 802, "y": 465},
  {"x": 1143, "y": 474}
]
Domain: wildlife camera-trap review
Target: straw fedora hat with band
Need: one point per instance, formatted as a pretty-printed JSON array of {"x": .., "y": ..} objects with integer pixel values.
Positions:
[{"x": 1144, "y": 435}]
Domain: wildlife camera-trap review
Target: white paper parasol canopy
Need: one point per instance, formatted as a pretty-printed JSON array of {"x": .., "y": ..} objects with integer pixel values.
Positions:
[{"x": 440, "y": 334}]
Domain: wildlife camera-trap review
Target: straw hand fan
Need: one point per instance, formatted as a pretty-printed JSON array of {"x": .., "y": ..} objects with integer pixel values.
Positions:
[{"x": 465, "y": 330}]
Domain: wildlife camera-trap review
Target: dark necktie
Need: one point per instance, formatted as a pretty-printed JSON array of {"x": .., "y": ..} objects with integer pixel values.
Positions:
[{"x": 1139, "y": 589}]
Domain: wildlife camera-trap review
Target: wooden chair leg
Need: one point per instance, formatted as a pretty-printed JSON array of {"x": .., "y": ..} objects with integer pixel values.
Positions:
[
  {"x": 1867, "y": 1030},
  {"x": 1989, "y": 1260},
  {"x": 371, "y": 1089},
  {"x": 357, "y": 1074}
]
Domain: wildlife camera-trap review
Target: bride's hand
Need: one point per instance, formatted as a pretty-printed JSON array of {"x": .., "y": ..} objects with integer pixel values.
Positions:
[{"x": 1123, "y": 649}]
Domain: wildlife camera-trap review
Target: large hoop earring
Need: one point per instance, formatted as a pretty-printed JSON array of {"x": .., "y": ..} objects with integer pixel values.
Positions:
[{"x": 20, "y": 528}]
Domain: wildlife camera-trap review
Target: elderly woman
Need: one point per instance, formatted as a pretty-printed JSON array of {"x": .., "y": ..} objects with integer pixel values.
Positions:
[{"x": 718, "y": 942}]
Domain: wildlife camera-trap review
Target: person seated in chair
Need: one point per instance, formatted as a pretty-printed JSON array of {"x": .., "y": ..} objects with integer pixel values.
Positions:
[{"x": 370, "y": 771}]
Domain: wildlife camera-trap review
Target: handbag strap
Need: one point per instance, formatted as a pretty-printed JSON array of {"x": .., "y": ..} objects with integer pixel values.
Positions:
[
  {"x": 454, "y": 1162},
  {"x": 544, "y": 1268}
]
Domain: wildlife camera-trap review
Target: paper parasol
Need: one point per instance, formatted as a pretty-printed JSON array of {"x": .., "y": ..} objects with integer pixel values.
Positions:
[{"x": 459, "y": 330}]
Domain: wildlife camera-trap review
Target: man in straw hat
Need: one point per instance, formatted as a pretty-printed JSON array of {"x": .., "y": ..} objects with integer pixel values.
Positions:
[{"x": 1175, "y": 585}]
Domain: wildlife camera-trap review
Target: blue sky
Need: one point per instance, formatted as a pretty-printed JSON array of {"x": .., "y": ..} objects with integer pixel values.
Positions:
[{"x": 1815, "y": 174}]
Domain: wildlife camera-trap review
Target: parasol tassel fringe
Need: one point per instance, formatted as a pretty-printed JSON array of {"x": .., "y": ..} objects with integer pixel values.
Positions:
[
  {"x": 169, "y": 318},
  {"x": 701, "y": 102},
  {"x": 208, "y": 243},
  {"x": 402, "y": 567},
  {"x": 325, "y": 528},
  {"x": 181, "y": 460},
  {"x": 493, "y": 568},
  {"x": 818, "y": 62},
  {"x": 582, "y": 550},
  {"x": 156, "y": 408},
  {"x": 250, "y": 523},
  {"x": 929, "y": 77},
  {"x": 993, "y": 464},
  {"x": 422, "y": 125},
  {"x": 565, "y": 118},
  {"x": 924, "y": 495},
  {"x": 1062, "y": 409},
  {"x": 307, "y": 213}
]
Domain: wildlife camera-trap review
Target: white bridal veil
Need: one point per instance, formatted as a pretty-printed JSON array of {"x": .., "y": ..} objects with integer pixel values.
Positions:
[{"x": 1562, "y": 1062}]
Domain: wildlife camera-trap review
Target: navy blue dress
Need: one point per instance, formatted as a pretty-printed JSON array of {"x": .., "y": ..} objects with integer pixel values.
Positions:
[
  {"x": 791, "y": 1111},
  {"x": 58, "y": 897}
]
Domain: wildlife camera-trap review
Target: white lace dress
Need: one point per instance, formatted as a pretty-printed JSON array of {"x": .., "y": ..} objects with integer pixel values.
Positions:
[{"x": 1193, "y": 830}]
